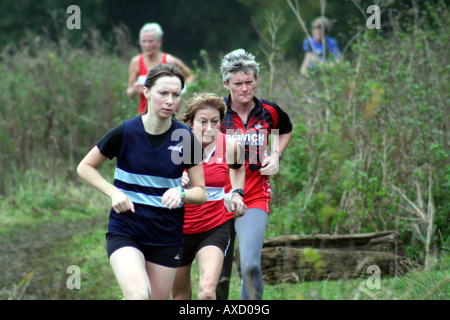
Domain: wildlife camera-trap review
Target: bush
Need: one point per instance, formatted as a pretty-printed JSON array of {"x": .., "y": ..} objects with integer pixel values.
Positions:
[
  {"x": 58, "y": 99},
  {"x": 370, "y": 145}
]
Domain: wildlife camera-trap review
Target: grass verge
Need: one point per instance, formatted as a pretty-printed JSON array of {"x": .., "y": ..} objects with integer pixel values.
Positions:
[{"x": 47, "y": 229}]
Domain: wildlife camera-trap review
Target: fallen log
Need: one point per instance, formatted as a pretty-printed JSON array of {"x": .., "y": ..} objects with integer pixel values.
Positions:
[{"x": 313, "y": 257}]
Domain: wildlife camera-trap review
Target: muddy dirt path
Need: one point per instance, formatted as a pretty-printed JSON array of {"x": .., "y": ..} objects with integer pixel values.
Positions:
[{"x": 22, "y": 252}]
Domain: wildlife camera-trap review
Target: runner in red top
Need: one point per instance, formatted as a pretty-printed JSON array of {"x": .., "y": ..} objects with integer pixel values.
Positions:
[
  {"x": 251, "y": 120},
  {"x": 206, "y": 228},
  {"x": 142, "y": 75},
  {"x": 213, "y": 213},
  {"x": 265, "y": 118},
  {"x": 150, "y": 39}
]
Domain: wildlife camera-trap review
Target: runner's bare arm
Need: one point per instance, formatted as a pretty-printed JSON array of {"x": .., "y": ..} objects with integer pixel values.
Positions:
[{"x": 87, "y": 170}]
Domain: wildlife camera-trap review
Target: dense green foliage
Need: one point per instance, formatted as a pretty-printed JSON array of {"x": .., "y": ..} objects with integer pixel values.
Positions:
[
  {"x": 370, "y": 149},
  {"x": 189, "y": 25},
  {"x": 370, "y": 134}
]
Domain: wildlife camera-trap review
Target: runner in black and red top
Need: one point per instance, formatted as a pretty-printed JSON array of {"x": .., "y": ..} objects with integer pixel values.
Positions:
[
  {"x": 251, "y": 120},
  {"x": 265, "y": 118}
]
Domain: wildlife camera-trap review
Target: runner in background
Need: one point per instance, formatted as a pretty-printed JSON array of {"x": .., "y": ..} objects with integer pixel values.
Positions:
[
  {"x": 320, "y": 47},
  {"x": 150, "y": 39}
]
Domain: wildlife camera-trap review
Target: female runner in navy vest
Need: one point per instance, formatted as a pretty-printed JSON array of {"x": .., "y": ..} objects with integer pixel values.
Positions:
[{"x": 145, "y": 229}]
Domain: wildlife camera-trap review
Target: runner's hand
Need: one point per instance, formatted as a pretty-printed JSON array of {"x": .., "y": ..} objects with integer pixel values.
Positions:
[
  {"x": 238, "y": 205},
  {"x": 234, "y": 202},
  {"x": 121, "y": 203},
  {"x": 270, "y": 165},
  {"x": 185, "y": 181},
  {"x": 171, "y": 198}
]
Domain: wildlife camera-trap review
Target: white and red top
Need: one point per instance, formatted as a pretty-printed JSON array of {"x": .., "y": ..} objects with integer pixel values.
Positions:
[{"x": 198, "y": 219}]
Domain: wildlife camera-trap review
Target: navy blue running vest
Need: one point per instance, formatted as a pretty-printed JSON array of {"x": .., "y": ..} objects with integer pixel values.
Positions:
[{"x": 144, "y": 173}]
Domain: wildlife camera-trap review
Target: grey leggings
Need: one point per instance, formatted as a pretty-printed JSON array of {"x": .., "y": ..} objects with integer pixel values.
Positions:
[{"x": 250, "y": 230}]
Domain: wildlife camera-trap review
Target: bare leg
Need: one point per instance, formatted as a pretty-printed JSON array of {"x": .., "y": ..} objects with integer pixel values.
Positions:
[
  {"x": 161, "y": 280},
  {"x": 210, "y": 261},
  {"x": 182, "y": 284},
  {"x": 128, "y": 265}
]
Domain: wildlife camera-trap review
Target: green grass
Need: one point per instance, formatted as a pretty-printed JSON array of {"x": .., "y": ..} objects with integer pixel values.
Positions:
[
  {"x": 65, "y": 224},
  {"x": 97, "y": 281}
]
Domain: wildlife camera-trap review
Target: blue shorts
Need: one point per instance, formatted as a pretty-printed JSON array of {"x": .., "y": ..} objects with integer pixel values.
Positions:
[{"x": 165, "y": 256}]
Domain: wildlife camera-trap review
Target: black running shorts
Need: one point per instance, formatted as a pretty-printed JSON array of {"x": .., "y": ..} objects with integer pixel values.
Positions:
[
  {"x": 165, "y": 256},
  {"x": 192, "y": 243}
]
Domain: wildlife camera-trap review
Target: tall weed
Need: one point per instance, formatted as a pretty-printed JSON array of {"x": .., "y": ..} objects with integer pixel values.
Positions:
[{"x": 58, "y": 100}]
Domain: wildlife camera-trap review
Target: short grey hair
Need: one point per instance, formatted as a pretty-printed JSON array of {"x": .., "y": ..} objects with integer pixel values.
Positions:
[
  {"x": 153, "y": 27},
  {"x": 236, "y": 61}
]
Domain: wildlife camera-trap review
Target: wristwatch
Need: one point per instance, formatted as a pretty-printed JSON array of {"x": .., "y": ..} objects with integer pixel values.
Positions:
[
  {"x": 239, "y": 192},
  {"x": 280, "y": 154}
]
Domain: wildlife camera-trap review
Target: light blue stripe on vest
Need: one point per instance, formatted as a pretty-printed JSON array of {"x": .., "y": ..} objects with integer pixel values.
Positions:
[
  {"x": 214, "y": 194},
  {"x": 146, "y": 180},
  {"x": 142, "y": 198}
]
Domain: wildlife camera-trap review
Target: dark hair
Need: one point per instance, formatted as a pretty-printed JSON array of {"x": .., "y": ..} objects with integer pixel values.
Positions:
[
  {"x": 203, "y": 101},
  {"x": 163, "y": 70}
]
